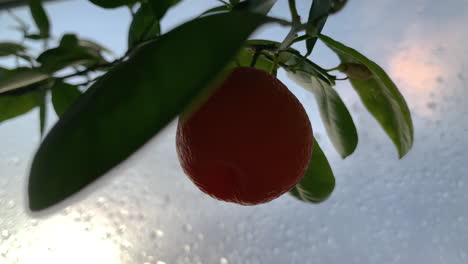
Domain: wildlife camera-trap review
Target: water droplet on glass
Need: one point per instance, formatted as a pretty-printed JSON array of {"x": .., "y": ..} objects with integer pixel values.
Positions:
[
  {"x": 14, "y": 161},
  {"x": 156, "y": 234},
  {"x": 5, "y": 234},
  {"x": 187, "y": 248},
  {"x": 431, "y": 105},
  {"x": 188, "y": 227},
  {"x": 11, "y": 204},
  {"x": 200, "y": 236},
  {"x": 223, "y": 261}
]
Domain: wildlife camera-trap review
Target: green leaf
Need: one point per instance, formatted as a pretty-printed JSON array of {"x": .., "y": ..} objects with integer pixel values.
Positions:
[
  {"x": 257, "y": 6},
  {"x": 337, "y": 6},
  {"x": 72, "y": 41},
  {"x": 133, "y": 102},
  {"x": 335, "y": 116},
  {"x": 63, "y": 96},
  {"x": 144, "y": 26},
  {"x": 42, "y": 112},
  {"x": 69, "y": 41},
  {"x": 61, "y": 57},
  {"x": 380, "y": 96},
  {"x": 160, "y": 7},
  {"x": 217, "y": 9},
  {"x": 40, "y": 17},
  {"x": 3, "y": 72},
  {"x": 318, "y": 15},
  {"x": 10, "y": 48},
  {"x": 35, "y": 36},
  {"x": 21, "y": 78},
  {"x": 12, "y": 106},
  {"x": 234, "y": 2},
  {"x": 86, "y": 43},
  {"x": 318, "y": 182},
  {"x": 113, "y": 3}
]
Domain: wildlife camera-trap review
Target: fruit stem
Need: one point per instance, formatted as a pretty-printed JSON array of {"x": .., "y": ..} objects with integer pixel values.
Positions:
[
  {"x": 334, "y": 69},
  {"x": 274, "y": 67},
  {"x": 255, "y": 57}
]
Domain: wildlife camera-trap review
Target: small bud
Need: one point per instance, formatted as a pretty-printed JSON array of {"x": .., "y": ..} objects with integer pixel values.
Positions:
[{"x": 356, "y": 71}]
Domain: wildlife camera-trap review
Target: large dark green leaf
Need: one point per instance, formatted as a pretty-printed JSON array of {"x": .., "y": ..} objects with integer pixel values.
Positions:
[
  {"x": 63, "y": 95},
  {"x": 317, "y": 17},
  {"x": 318, "y": 182},
  {"x": 40, "y": 17},
  {"x": 3, "y": 72},
  {"x": 113, "y": 3},
  {"x": 380, "y": 96},
  {"x": 21, "y": 78},
  {"x": 10, "y": 48},
  {"x": 160, "y": 7},
  {"x": 12, "y": 106},
  {"x": 335, "y": 116},
  {"x": 144, "y": 26},
  {"x": 133, "y": 102},
  {"x": 257, "y": 6}
]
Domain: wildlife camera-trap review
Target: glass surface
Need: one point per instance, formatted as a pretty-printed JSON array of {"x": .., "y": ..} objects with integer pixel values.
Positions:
[{"x": 383, "y": 210}]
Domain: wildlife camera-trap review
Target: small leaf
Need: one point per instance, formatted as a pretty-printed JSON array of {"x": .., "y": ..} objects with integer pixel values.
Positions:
[
  {"x": 113, "y": 3},
  {"x": 335, "y": 116},
  {"x": 356, "y": 71},
  {"x": 144, "y": 26},
  {"x": 69, "y": 41},
  {"x": 380, "y": 96},
  {"x": 22, "y": 25},
  {"x": 10, "y": 48},
  {"x": 61, "y": 57},
  {"x": 127, "y": 106},
  {"x": 215, "y": 10},
  {"x": 160, "y": 7},
  {"x": 35, "y": 36},
  {"x": 86, "y": 43},
  {"x": 318, "y": 182},
  {"x": 337, "y": 6},
  {"x": 12, "y": 106},
  {"x": 42, "y": 112},
  {"x": 63, "y": 95},
  {"x": 40, "y": 17},
  {"x": 257, "y": 6},
  {"x": 318, "y": 15},
  {"x": 21, "y": 78}
]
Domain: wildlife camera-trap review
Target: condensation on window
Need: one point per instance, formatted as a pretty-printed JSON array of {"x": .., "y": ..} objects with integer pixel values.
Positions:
[{"x": 383, "y": 210}]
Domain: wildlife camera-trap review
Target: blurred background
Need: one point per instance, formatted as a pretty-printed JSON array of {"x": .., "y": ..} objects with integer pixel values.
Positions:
[{"x": 383, "y": 210}]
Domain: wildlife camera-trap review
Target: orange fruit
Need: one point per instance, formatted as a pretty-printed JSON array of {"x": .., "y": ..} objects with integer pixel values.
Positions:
[{"x": 249, "y": 142}]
